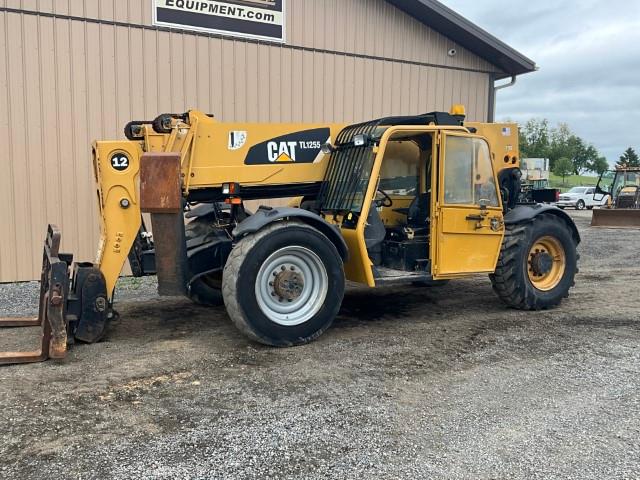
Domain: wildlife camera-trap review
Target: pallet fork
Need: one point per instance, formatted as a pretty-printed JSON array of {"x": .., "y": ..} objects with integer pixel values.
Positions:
[
  {"x": 70, "y": 306},
  {"x": 54, "y": 282}
]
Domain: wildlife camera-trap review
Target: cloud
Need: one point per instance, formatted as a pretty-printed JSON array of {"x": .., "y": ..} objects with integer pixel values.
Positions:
[{"x": 589, "y": 58}]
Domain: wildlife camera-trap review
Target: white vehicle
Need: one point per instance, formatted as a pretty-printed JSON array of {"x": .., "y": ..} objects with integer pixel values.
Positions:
[{"x": 581, "y": 198}]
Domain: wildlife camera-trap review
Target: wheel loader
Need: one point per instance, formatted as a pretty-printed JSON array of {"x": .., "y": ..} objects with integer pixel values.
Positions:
[
  {"x": 622, "y": 189},
  {"x": 398, "y": 200}
]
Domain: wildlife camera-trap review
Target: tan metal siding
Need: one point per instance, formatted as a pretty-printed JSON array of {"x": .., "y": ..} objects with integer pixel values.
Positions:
[
  {"x": 372, "y": 27},
  {"x": 66, "y": 82},
  {"x": 364, "y": 27}
]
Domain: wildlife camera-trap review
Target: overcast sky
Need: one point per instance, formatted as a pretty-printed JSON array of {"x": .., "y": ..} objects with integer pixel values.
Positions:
[{"x": 588, "y": 52}]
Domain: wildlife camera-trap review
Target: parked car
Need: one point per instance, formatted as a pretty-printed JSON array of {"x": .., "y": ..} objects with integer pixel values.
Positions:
[{"x": 581, "y": 198}]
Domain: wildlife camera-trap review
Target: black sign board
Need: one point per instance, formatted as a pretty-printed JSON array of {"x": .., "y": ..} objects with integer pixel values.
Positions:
[{"x": 259, "y": 19}]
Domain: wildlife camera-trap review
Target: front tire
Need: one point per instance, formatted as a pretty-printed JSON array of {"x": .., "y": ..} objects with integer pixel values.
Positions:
[
  {"x": 580, "y": 205},
  {"x": 537, "y": 264},
  {"x": 283, "y": 285}
]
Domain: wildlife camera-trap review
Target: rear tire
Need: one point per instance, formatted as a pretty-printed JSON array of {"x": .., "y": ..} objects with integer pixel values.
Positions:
[
  {"x": 580, "y": 205},
  {"x": 512, "y": 280},
  {"x": 205, "y": 290},
  {"x": 283, "y": 285}
]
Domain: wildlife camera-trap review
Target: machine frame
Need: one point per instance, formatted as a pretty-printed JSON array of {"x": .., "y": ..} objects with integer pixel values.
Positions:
[{"x": 191, "y": 177}]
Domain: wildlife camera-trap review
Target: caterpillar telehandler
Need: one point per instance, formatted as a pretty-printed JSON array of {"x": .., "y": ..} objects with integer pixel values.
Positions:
[
  {"x": 415, "y": 199},
  {"x": 622, "y": 188}
]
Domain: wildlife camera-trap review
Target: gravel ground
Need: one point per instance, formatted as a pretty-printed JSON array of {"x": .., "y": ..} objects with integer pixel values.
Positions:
[
  {"x": 409, "y": 383},
  {"x": 21, "y": 299}
]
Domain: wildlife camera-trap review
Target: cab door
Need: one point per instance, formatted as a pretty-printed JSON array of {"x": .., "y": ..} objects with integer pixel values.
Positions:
[{"x": 468, "y": 224}]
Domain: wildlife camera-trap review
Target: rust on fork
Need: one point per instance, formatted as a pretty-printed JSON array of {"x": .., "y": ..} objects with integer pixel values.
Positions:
[
  {"x": 54, "y": 284},
  {"x": 20, "y": 322}
]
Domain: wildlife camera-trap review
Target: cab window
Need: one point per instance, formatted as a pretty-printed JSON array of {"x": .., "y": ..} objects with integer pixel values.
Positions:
[
  {"x": 400, "y": 172},
  {"x": 468, "y": 173}
]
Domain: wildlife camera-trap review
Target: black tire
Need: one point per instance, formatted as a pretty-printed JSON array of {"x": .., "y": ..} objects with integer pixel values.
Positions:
[
  {"x": 242, "y": 272},
  {"x": 206, "y": 290},
  {"x": 511, "y": 279},
  {"x": 561, "y": 208},
  {"x": 590, "y": 208},
  {"x": 580, "y": 205}
]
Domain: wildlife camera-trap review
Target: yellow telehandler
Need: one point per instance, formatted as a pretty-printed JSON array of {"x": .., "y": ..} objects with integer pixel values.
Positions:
[{"x": 410, "y": 199}]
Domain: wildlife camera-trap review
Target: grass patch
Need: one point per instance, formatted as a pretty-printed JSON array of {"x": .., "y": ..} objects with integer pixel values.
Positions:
[{"x": 572, "y": 181}]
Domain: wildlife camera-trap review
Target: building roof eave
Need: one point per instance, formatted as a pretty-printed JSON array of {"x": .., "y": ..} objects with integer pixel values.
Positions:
[{"x": 468, "y": 35}]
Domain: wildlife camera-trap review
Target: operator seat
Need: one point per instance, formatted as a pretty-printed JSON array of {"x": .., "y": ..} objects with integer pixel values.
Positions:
[
  {"x": 419, "y": 211},
  {"x": 628, "y": 197}
]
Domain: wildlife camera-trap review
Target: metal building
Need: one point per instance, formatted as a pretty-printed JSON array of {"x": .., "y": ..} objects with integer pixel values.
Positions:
[{"x": 72, "y": 71}]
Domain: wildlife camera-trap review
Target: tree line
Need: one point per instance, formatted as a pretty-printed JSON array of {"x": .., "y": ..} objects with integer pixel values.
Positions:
[
  {"x": 568, "y": 154},
  {"x": 629, "y": 159}
]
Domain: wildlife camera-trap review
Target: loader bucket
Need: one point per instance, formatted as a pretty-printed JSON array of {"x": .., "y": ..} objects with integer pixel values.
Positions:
[
  {"x": 54, "y": 287},
  {"x": 616, "y": 218}
]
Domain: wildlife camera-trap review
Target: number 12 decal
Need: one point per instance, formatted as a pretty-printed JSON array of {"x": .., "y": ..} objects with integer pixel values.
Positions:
[{"x": 120, "y": 162}]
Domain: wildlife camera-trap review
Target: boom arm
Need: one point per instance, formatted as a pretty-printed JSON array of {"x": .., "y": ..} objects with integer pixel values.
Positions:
[
  {"x": 117, "y": 172},
  {"x": 280, "y": 160}
]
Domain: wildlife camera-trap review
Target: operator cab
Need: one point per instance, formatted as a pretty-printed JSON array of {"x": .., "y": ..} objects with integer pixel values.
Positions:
[
  {"x": 398, "y": 223},
  {"x": 410, "y": 194}
]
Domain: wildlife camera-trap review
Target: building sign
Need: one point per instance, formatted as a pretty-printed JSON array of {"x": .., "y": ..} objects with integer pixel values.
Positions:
[{"x": 260, "y": 19}]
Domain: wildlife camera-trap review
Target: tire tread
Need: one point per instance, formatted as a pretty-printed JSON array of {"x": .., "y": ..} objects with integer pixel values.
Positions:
[
  {"x": 505, "y": 280},
  {"x": 232, "y": 270}
]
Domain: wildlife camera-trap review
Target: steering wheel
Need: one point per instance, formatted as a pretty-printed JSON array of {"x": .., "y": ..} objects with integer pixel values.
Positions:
[{"x": 384, "y": 202}]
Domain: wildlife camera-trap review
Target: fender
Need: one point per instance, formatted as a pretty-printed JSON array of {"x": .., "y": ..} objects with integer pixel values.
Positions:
[
  {"x": 267, "y": 215},
  {"x": 526, "y": 213}
]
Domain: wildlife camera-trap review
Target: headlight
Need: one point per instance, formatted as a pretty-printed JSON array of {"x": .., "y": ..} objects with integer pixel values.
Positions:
[{"x": 230, "y": 188}]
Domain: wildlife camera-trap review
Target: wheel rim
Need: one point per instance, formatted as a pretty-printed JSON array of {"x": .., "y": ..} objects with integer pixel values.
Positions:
[
  {"x": 291, "y": 286},
  {"x": 546, "y": 263},
  {"x": 580, "y": 205}
]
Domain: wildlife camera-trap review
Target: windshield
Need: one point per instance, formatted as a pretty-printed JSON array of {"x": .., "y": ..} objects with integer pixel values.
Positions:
[
  {"x": 347, "y": 179},
  {"x": 577, "y": 190},
  {"x": 613, "y": 182}
]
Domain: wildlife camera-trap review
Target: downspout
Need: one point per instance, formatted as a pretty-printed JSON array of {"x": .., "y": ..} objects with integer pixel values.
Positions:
[{"x": 493, "y": 91}]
